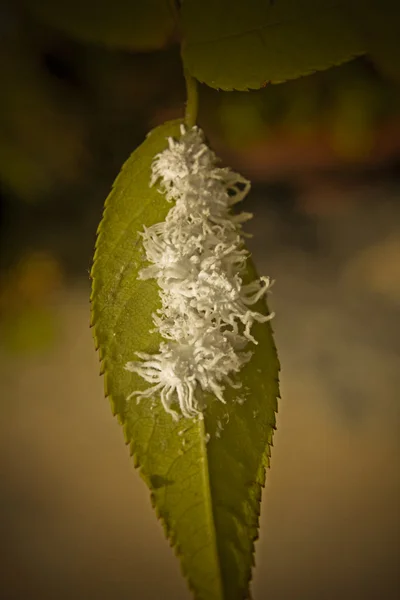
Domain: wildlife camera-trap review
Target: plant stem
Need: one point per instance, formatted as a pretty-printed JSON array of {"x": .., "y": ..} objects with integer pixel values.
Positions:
[{"x": 192, "y": 101}]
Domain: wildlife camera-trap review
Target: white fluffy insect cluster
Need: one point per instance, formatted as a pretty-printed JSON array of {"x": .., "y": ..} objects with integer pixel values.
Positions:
[{"x": 198, "y": 258}]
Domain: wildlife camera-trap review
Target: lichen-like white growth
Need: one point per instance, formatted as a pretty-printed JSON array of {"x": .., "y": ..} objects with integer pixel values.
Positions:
[{"x": 198, "y": 258}]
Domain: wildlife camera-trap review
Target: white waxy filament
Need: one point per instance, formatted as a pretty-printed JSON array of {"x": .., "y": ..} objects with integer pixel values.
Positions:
[{"x": 197, "y": 256}]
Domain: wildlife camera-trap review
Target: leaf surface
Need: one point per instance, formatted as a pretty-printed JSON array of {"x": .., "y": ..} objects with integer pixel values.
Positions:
[
  {"x": 207, "y": 494},
  {"x": 245, "y": 45},
  {"x": 126, "y": 24}
]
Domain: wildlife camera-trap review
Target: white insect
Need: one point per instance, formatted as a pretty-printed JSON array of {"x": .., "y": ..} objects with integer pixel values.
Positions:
[{"x": 197, "y": 256}]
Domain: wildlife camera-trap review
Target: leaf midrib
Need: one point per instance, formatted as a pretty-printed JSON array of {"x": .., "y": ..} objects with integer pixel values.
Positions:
[{"x": 209, "y": 501}]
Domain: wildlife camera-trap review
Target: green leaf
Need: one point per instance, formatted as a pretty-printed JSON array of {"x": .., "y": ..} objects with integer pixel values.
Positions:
[
  {"x": 126, "y": 24},
  {"x": 207, "y": 494},
  {"x": 247, "y": 44}
]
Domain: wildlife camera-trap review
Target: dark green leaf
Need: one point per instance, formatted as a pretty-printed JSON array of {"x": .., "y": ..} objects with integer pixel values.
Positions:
[
  {"x": 207, "y": 494},
  {"x": 247, "y": 44}
]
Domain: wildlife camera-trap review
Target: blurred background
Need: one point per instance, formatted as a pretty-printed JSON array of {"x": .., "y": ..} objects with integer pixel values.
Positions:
[{"x": 323, "y": 153}]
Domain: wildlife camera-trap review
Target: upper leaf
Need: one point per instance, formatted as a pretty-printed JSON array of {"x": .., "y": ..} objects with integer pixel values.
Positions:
[
  {"x": 243, "y": 45},
  {"x": 126, "y": 24},
  {"x": 207, "y": 493}
]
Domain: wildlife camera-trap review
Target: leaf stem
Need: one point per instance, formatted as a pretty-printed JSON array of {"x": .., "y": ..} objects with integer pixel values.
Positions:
[{"x": 192, "y": 101}]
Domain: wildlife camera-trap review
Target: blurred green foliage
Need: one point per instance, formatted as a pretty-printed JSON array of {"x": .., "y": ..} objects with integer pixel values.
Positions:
[
  {"x": 379, "y": 25},
  {"x": 125, "y": 24},
  {"x": 348, "y": 104},
  {"x": 42, "y": 136},
  {"x": 70, "y": 112},
  {"x": 28, "y": 319}
]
